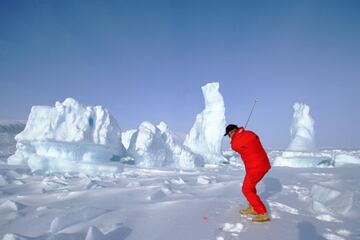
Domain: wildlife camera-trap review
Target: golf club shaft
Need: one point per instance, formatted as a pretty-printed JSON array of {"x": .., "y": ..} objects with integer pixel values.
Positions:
[{"x": 252, "y": 109}]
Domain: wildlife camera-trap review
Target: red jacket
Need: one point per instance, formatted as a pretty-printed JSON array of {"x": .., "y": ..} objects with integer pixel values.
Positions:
[{"x": 248, "y": 145}]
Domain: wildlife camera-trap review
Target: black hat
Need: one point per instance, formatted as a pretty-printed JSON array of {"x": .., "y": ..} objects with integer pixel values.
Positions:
[{"x": 229, "y": 128}]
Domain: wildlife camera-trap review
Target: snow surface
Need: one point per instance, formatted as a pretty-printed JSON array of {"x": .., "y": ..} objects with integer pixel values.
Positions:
[
  {"x": 206, "y": 135},
  {"x": 68, "y": 136},
  {"x": 137, "y": 203}
]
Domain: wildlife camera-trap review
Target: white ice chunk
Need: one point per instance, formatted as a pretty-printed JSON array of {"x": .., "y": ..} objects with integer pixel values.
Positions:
[
  {"x": 302, "y": 129},
  {"x": 284, "y": 208},
  {"x": 178, "y": 181},
  {"x": 303, "y": 159},
  {"x": 233, "y": 228},
  {"x": 302, "y": 150},
  {"x": 206, "y": 135},
  {"x": 60, "y": 137},
  {"x": 148, "y": 148},
  {"x": 153, "y": 146},
  {"x": 327, "y": 200},
  {"x": 204, "y": 180},
  {"x": 345, "y": 159},
  {"x": 327, "y": 218}
]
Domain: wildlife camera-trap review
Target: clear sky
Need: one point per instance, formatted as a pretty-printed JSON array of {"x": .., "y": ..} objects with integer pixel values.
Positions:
[{"x": 146, "y": 60}]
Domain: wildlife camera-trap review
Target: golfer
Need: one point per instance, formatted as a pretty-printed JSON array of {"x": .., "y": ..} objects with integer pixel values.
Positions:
[{"x": 256, "y": 163}]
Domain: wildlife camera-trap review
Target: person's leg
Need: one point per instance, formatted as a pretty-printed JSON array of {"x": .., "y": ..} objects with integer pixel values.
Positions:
[{"x": 249, "y": 190}]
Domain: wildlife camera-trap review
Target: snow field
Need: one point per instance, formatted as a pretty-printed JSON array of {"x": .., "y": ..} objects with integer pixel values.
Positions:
[{"x": 166, "y": 204}]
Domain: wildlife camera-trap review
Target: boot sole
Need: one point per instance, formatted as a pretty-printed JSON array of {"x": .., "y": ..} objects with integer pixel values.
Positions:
[
  {"x": 245, "y": 214},
  {"x": 261, "y": 221}
]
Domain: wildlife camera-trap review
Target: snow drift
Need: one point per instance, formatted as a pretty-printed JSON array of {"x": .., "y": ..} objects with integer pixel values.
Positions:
[{"x": 56, "y": 137}]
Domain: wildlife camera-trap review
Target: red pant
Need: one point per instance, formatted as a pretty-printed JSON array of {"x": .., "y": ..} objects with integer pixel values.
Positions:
[{"x": 252, "y": 177}]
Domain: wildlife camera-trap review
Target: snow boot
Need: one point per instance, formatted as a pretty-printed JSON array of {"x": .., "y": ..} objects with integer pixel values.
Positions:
[
  {"x": 248, "y": 211},
  {"x": 259, "y": 218}
]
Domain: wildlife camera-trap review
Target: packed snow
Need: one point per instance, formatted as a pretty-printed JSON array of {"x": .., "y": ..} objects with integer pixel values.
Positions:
[{"x": 140, "y": 203}]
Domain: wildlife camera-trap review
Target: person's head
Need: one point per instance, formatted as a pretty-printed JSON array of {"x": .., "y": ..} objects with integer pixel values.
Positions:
[{"x": 230, "y": 130}]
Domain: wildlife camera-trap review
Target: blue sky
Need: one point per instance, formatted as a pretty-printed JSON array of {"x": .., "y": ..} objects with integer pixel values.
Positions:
[{"x": 146, "y": 60}]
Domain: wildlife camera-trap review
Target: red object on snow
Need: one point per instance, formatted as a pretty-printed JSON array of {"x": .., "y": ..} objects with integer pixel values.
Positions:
[{"x": 256, "y": 163}]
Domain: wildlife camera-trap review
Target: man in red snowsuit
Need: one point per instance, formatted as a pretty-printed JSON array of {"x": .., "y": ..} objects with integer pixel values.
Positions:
[{"x": 256, "y": 163}]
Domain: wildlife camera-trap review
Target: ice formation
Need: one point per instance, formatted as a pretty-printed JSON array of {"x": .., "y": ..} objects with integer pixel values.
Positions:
[
  {"x": 206, "y": 135},
  {"x": 153, "y": 146},
  {"x": 68, "y": 137},
  {"x": 329, "y": 200},
  {"x": 303, "y": 159},
  {"x": 126, "y": 137},
  {"x": 8, "y": 131},
  {"x": 302, "y": 129},
  {"x": 182, "y": 157},
  {"x": 302, "y": 151},
  {"x": 346, "y": 159}
]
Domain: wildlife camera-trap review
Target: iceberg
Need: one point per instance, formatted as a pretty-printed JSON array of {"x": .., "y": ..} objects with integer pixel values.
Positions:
[
  {"x": 206, "y": 135},
  {"x": 68, "y": 137}
]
